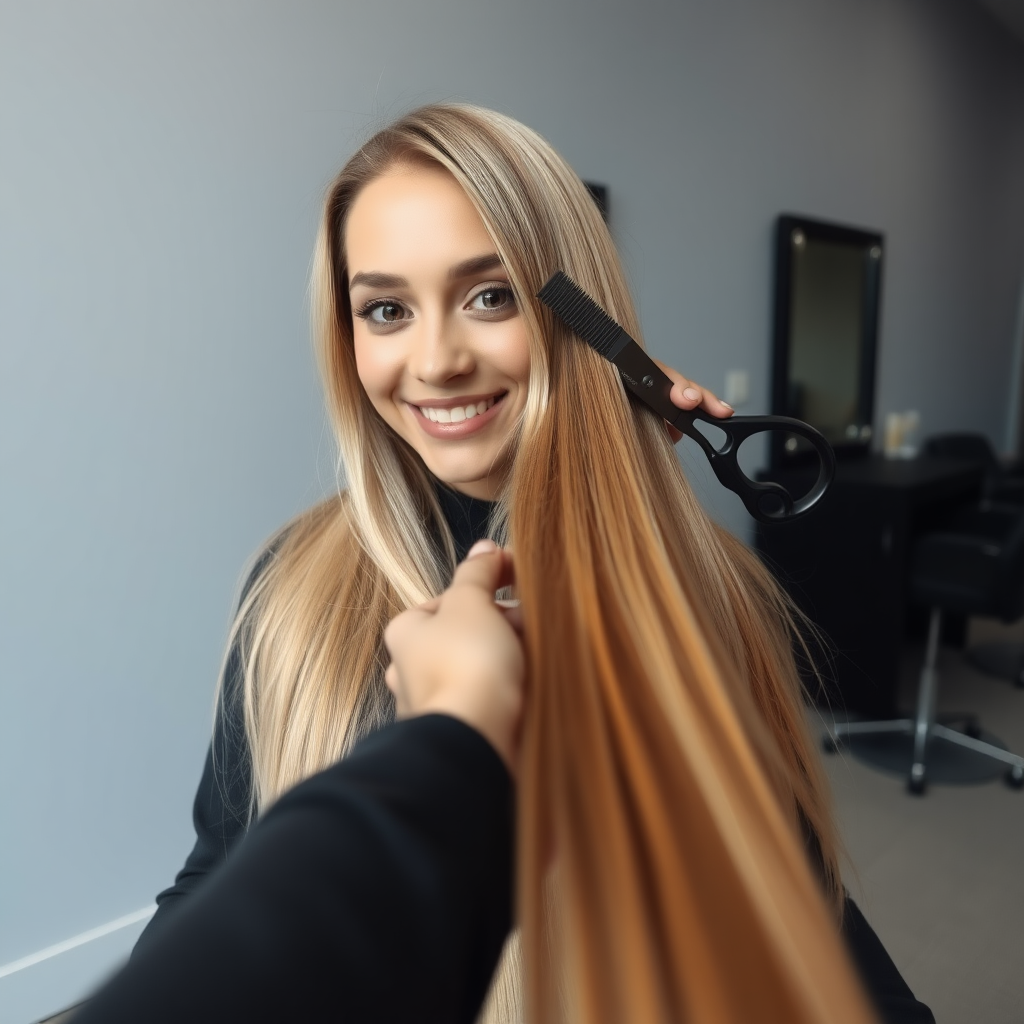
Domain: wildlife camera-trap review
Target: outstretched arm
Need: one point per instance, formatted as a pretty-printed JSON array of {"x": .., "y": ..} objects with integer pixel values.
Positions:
[
  {"x": 376, "y": 891},
  {"x": 381, "y": 889}
]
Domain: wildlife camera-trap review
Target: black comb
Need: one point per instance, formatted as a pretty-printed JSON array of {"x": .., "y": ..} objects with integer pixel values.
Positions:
[
  {"x": 767, "y": 502},
  {"x": 579, "y": 312}
]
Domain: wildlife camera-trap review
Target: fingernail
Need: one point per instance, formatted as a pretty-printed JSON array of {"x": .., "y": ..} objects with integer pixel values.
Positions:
[
  {"x": 691, "y": 394},
  {"x": 482, "y": 547},
  {"x": 727, "y": 405}
]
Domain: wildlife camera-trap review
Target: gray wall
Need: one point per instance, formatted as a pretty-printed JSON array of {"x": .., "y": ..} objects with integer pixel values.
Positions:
[{"x": 161, "y": 171}]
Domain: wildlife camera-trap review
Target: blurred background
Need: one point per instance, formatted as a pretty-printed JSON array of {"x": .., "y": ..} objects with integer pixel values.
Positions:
[{"x": 161, "y": 173}]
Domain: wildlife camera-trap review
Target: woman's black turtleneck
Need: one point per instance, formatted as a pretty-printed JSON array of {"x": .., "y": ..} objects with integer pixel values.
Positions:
[
  {"x": 467, "y": 517},
  {"x": 221, "y": 810}
]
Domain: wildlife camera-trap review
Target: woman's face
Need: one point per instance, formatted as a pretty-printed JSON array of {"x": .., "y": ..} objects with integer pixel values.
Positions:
[{"x": 439, "y": 343}]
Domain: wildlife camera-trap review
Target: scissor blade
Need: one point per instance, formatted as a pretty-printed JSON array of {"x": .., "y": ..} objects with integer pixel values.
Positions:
[{"x": 642, "y": 377}]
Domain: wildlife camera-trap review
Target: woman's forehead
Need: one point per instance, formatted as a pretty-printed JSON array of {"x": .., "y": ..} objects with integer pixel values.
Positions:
[{"x": 411, "y": 215}]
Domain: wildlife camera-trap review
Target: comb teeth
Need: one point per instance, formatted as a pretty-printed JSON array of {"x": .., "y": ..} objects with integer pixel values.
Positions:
[{"x": 574, "y": 307}]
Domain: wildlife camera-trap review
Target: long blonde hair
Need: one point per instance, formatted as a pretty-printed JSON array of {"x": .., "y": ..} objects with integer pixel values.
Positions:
[{"x": 668, "y": 781}]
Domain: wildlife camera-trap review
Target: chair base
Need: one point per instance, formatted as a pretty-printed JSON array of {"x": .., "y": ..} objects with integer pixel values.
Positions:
[
  {"x": 951, "y": 757},
  {"x": 1005, "y": 660},
  {"x": 918, "y": 746}
]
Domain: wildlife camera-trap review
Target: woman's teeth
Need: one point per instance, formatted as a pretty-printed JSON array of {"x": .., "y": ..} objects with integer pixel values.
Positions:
[{"x": 459, "y": 413}]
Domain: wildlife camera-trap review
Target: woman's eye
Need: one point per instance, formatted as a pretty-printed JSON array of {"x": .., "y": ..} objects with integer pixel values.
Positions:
[
  {"x": 383, "y": 313},
  {"x": 493, "y": 299},
  {"x": 386, "y": 313}
]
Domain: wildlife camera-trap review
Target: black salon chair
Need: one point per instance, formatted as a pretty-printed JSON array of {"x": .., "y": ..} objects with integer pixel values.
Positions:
[
  {"x": 1004, "y": 483},
  {"x": 974, "y": 566}
]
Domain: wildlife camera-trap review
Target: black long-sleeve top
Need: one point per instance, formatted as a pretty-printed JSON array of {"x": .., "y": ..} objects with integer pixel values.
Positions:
[
  {"x": 222, "y": 803},
  {"x": 221, "y": 810}
]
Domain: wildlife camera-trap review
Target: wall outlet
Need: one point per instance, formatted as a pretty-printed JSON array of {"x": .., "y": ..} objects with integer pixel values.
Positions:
[{"x": 737, "y": 387}]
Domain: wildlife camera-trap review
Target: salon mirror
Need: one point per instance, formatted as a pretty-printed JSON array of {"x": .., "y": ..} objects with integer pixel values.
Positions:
[{"x": 827, "y": 288}]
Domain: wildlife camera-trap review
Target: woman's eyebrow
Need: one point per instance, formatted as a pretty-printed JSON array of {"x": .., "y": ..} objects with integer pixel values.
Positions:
[
  {"x": 474, "y": 265},
  {"x": 375, "y": 279}
]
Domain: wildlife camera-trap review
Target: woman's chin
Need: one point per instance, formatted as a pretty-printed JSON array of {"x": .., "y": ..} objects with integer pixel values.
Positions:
[{"x": 475, "y": 482}]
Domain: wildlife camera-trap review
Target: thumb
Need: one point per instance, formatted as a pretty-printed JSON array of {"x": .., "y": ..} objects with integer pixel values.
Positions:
[{"x": 486, "y": 568}]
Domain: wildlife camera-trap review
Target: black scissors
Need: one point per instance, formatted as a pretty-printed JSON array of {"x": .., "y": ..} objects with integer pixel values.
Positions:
[{"x": 767, "y": 502}]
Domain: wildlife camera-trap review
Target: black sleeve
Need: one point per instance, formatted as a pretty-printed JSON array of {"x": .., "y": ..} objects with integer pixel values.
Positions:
[
  {"x": 892, "y": 997},
  {"x": 220, "y": 811},
  {"x": 379, "y": 890}
]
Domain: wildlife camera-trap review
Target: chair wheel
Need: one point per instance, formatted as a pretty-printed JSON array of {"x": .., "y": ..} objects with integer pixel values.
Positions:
[
  {"x": 830, "y": 744},
  {"x": 1015, "y": 777},
  {"x": 917, "y": 782}
]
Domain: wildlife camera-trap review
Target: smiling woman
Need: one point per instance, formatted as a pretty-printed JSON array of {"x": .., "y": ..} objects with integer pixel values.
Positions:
[
  {"x": 439, "y": 344},
  {"x": 673, "y": 820}
]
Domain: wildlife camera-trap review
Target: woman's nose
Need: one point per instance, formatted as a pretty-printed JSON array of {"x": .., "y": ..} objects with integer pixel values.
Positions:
[{"x": 440, "y": 351}]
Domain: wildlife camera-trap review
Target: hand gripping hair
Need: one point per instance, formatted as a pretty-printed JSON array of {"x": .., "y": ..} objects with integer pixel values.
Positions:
[{"x": 677, "y": 859}]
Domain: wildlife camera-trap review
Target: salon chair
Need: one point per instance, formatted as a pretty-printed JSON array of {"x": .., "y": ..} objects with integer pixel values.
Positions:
[
  {"x": 973, "y": 566},
  {"x": 1004, "y": 484}
]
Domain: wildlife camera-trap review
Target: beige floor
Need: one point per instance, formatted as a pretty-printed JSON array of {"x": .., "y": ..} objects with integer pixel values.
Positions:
[{"x": 941, "y": 878}]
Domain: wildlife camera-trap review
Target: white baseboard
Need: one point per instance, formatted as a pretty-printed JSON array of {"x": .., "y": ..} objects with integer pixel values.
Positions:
[{"x": 52, "y": 979}]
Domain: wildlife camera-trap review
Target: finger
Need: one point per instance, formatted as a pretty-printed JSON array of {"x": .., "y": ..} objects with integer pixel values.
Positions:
[
  {"x": 680, "y": 385},
  {"x": 513, "y": 616},
  {"x": 488, "y": 546},
  {"x": 399, "y": 627},
  {"x": 394, "y": 683},
  {"x": 693, "y": 396},
  {"x": 486, "y": 571},
  {"x": 688, "y": 394}
]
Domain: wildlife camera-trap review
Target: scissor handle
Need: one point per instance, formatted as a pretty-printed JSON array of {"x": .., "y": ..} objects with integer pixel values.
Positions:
[{"x": 759, "y": 497}]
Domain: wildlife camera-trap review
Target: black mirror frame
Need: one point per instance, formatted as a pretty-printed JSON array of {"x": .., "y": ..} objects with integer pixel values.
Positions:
[{"x": 873, "y": 244}]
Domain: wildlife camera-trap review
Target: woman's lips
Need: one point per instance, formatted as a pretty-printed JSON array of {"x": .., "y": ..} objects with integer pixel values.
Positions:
[{"x": 470, "y": 424}]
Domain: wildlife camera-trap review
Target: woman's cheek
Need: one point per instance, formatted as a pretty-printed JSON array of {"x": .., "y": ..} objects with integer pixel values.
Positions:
[
  {"x": 375, "y": 371},
  {"x": 512, "y": 353}
]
